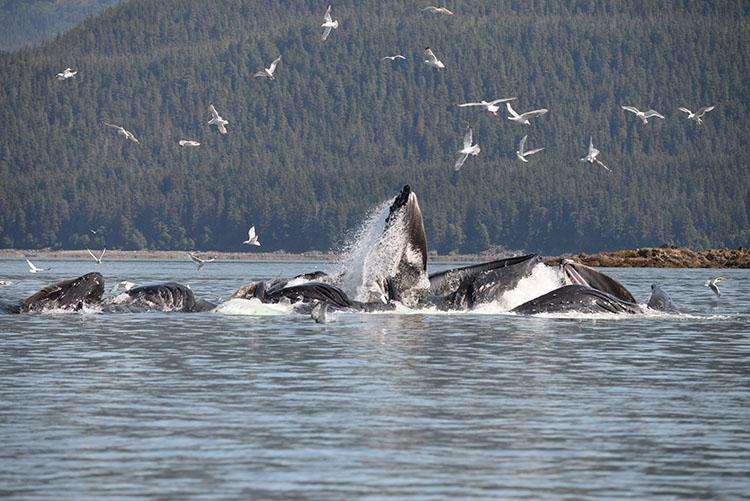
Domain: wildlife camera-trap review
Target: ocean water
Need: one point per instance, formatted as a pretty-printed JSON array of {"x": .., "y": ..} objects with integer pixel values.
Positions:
[{"x": 411, "y": 404}]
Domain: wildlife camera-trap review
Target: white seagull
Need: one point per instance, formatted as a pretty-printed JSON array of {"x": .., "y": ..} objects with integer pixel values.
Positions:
[
  {"x": 34, "y": 269},
  {"x": 521, "y": 154},
  {"x": 252, "y": 238},
  {"x": 438, "y": 10},
  {"x": 523, "y": 118},
  {"x": 592, "y": 154},
  {"x": 188, "y": 142},
  {"x": 329, "y": 23},
  {"x": 697, "y": 116},
  {"x": 216, "y": 120},
  {"x": 200, "y": 262},
  {"x": 467, "y": 150},
  {"x": 98, "y": 259},
  {"x": 126, "y": 134},
  {"x": 68, "y": 73},
  {"x": 643, "y": 115},
  {"x": 491, "y": 106},
  {"x": 393, "y": 58},
  {"x": 713, "y": 284},
  {"x": 268, "y": 72},
  {"x": 432, "y": 59},
  {"x": 5, "y": 283}
]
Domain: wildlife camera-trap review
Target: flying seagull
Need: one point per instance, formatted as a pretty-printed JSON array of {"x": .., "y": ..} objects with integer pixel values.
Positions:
[
  {"x": 592, "y": 154},
  {"x": 522, "y": 154},
  {"x": 467, "y": 150},
  {"x": 216, "y": 120},
  {"x": 432, "y": 59},
  {"x": 268, "y": 72},
  {"x": 393, "y": 58},
  {"x": 34, "y": 269},
  {"x": 643, "y": 115},
  {"x": 491, "y": 106},
  {"x": 67, "y": 73},
  {"x": 523, "y": 118},
  {"x": 438, "y": 10},
  {"x": 188, "y": 142},
  {"x": 200, "y": 262},
  {"x": 329, "y": 23},
  {"x": 126, "y": 134},
  {"x": 98, "y": 259},
  {"x": 697, "y": 116},
  {"x": 252, "y": 238},
  {"x": 713, "y": 284}
]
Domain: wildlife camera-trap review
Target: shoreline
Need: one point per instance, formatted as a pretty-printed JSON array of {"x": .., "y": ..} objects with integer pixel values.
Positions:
[{"x": 645, "y": 257}]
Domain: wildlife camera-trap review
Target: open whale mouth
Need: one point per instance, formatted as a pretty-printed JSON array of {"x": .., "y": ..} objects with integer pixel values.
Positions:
[{"x": 571, "y": 274}]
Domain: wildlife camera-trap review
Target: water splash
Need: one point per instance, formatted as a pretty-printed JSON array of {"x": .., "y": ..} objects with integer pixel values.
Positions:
[{"x": 543, "y": 279}]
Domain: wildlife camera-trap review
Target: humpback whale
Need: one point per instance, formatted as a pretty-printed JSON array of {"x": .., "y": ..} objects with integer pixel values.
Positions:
[
  {"x": 168, "y": 296},
  {"x": 71, "y": 294},
  {"x": 576, "y": 298},
  {"x": 577, "y": 273}
]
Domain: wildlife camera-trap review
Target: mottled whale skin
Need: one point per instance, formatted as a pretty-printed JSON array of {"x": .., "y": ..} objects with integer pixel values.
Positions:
[
  {"x": 168, "y": 296},
  {"x": 577, "y": 298},
  {"x": 72, "y": 294}
]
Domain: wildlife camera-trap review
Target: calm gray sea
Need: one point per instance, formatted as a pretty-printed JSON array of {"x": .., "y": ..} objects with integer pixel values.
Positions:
[{"x": 430, "y": 406}]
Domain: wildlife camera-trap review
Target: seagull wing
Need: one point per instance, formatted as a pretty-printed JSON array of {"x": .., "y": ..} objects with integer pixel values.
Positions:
[
  {"x": 112, "y": 125},
  {"x": 531, "y": 152},
  {"x": 213, "y": 111},
  {"x": 326, "y": 32},
  {"x": 261, "y": 73},
  {"x": 502, "y": 100},
  {"x": 461, "y": 159},
  {"x": 685, "y": 110},
  {"x": 512, "y": 112},
  {"x": 703, "y": 110},
  {"x": 92, "y": 255},
  {"x": 534, "y": 113},
  {"x": 31, "y": 265},
  {"x": 431, "y": 8},
  {"x": 251, "y": 233},
  {"x": 468, "y": 138},
  {"x": 470, "y": 104},
  {"x": 327, "y": 17},
  {"x": 600, "y": 163},
  {"x": 521, "y": 145},
  {"x": 272, "y": 68},
  {"x": 632, "y": 109},
  {"x": 430, "y": 55},
  {"x": 653, "y": 113},
  {"x": 222, "y": 127}
]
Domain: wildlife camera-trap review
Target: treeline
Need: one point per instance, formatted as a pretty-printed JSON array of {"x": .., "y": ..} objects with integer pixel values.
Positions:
[{"x": 340, "y": 130}]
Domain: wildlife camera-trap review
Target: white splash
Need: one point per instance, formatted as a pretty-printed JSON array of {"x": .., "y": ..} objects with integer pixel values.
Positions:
[
  {"x": 543, "y": 279},
  {"x": 252, "y": 307}
]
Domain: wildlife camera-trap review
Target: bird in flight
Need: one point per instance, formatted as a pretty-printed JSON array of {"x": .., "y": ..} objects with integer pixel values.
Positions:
[
  {"x": 268, "y": 72},
  {"x": 438, "y": 10},
  {"x": 523, "y": 118},
  {"x": 97, "y": 259},
  {"x": 200, "y": 262},
  {"x": 467, "y": 150},
  {"x": 328, "y": 23},
  {"x": 643, "y": 115},
  {"x": 34, "y": 269},
  {"x": 126, "y": 134},
  {"x": 491, "y": 106},
  {"x": 592, "y": 154},
  {"x": 188, "y": 142},
  {"x": 522, "y": 154},
  {"x": 713, "y": 284},
  {"x": 252, "y": 238},
  {"x": 393, "y": 58},
  {"x": 432, "y": 59},
  {"x": 67, "y": 73},
  {"x": 698, "y": 115},
  {"x": 216, "y": 120}
]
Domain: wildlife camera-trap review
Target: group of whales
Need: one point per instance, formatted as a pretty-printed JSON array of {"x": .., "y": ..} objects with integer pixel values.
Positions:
[{"x": 404, "y": 281}]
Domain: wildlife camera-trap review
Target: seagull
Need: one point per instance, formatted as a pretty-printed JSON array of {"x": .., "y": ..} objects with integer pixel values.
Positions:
[
  {"x": 643, "y": 115},
  {"x": 524, "y": 117},
  {"x": 93, "y": 231},
  {"x": 123, "y": 132},
  {"x": 393, "y": 58},
  {"x": 268, "y": 72},
  {"x": 34, "y": 269},
  {"x": 438, "y": 10},
  {"x": 5, "y": 283},
  {"x": 696, "y": 117},
  {"x": 252, "y": 238},
  {"x": 217, "y": 120},
  {"x": 521, "y": 154},
  {"x": 200, "y": 262},
  {"x": 432, "y": 60},
  {"x": 591, "y": 155},
  {"x": 68, "y": 73},
  {"x": 329, "y": 23},
  {"x": 188, "y": 142},
  {"x": 98, "y": 259},
  {"x": 321, "y": 314},
  {"x": 713, "y": 284},
  {"x": 125, "y": 285},
  {"x": 467, "y": 150},
  {"x": 492, "y": 106}
]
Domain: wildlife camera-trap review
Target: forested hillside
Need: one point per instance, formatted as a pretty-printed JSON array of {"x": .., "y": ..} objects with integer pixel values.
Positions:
[
  {"x": 340, "y": 130},
  {"x": 26, "y": 22}
]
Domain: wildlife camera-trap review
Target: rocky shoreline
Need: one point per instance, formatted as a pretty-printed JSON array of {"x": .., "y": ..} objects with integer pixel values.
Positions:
[{"x": 646, "y": 257}]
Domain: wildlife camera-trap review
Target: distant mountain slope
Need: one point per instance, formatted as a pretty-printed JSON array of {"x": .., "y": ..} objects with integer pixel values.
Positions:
[
  {"x": 26, "y": 22},
  {"x": 340, "y": 130}
]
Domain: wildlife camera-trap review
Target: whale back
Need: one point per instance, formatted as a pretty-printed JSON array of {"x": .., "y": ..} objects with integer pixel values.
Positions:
[
  {"x": 576, "y": 298},
  {"x": 660, "y": 301},
  {"x": 72, "y": 294},
  {"x": 447, "y": 281}
]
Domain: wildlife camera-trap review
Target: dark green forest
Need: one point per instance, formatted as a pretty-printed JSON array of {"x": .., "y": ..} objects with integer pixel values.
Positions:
[
  {"x": 26, "y": 22},
  {"x": 339, "y": 131}
]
